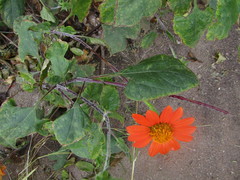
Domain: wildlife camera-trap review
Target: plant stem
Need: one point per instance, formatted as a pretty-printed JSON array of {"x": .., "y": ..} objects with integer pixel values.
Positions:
[
  {"x": 151, "y": 106},
  {"x": 79, "y": 79},
  {"x": 200, "y": 103},
  {"x": 108, "y": 153},
  {"x": 134, "y": 162}
]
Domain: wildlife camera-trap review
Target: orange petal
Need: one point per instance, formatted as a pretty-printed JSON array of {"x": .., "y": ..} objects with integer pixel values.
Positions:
[
  {"x": 185, "y": 129},
  {"x": 182, "y": 137},
  {"x": 177, "y": 114},
  {"x": 138, "y": 137},
  {"x": 2, "y": 168},
  {"x": 175, "y": 145},
  {"x": 136, "y": 129},
  {"x": 142, "y": 143},
  {"x": 152, "y": 117},
  {"x": 154, "y": 149},
  {"x": 166, "y": 147},
  {"x": 184, "y": 122},
  {"x": 141, "y": 120},
  {"x": 166, "y": 114}
]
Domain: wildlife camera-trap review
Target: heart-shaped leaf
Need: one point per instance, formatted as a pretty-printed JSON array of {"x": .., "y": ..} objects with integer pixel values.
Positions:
[
  {"x": 16, "y": 122},
  {"x": 70, "y": 126},
  {"x": 156, "y": 77}
]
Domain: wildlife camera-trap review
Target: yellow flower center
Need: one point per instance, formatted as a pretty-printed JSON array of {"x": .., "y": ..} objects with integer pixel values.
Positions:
[{"x": 162, "y": 132}]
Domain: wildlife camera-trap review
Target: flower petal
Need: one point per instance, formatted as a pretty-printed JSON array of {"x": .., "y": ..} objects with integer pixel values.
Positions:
[
  {"x": 152, "y": 117},
  {"x": 185, "y": 129},
  {"x": 141, "y": 120},
  {"x": 175, "y": 145},
  {"x": 138, "y": 137},
  {"x": 182, "y": 137},
  {"x": 142, "y": 143},
  {"x": 166, "y": 147},
  {"x": 154, "y": 148},
  {"x": 177, "y": 115},
  {"x": 184, "y": 122},
  {"x": 136, "y": 129},
  {"x": 166, "y": 114}
]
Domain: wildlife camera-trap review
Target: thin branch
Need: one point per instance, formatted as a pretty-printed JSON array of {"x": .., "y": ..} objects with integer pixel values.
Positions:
[
  {"x": 108, "y": 153},
  {"x": 79, "y": 79},
  {"x": 9, "y": 40},
  {"x": 200, "y": 103}
]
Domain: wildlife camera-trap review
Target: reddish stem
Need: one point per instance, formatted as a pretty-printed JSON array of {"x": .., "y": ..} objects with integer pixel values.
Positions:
[{"x": 199, "y": 103}]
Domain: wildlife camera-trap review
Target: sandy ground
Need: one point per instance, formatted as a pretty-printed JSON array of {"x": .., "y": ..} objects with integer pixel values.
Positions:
[{"x": 215, "y": 151}]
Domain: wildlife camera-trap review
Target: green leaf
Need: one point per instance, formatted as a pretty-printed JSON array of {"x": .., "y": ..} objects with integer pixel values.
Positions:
[
  {"x": 85, "y": 70},
  {"x": 16, "y": 122},
  {"x": 11, "y": 10},
  {"x": 127, "y": 13},
  {"x": 85, "y": 166},
  {"x": 158, "y": 76},
  {"x": 60, "y": 159},
  {"x": 191, "y": 28},
  {"x": 104, "y": 176},
  {"x": 77, "y": 51},
  {"x": 69, "y": 127},
  {"x": 80, "y": 8},
  {"x": 67, "y": 29},
  {"x": 117, "y": 116},
  {"x": 92, "y": 40},
  {"x": 93, "y": 92},
  {"x": 180, "y": 7},
  {"x": 115, "y": 37},
  {"x": 27, "y": 38},
  {"x": 226, "y": 15},
  {"x": 90, "y": 146},
  {"x": 109, "y": 98},
  {"x": 55, "y": 54},
  {"x": 55, "y": 99},
  {"x": 47, "y": 15},
  {"x": 148, "y": 40}
]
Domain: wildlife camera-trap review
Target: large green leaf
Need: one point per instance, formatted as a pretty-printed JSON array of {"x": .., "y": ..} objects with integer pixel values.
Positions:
[
  {"x": 180, "y": 7},
  {"x": 11, "y": 10},
  {"x": 28, "y": 40},
  {"x": 115, "y": 37},
  {"x": 226, "y": 15},
  {"x": 80, "y": 8},
  {"x": 69, "y": 127},
  {"x": 91, "y": 146},
  {"x": 109, "y": 98},
  {"x": 191, "y": 28},
  {"x": 148, "y": 39},
  {"x": 56, "y": 54},
  {"x": 127, "y": 13},
  {"x": 156, "y": 77},
  {"x": 16, "y": 122}
]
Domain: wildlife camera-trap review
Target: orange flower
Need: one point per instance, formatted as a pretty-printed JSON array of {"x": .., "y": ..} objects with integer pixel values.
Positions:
[
  {"x": 2, "y": 168},
  {"x": 163, "y": 130}
]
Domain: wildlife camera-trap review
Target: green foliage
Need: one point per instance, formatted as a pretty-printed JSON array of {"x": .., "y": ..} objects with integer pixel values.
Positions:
[
  {"x": 226, "y": 15},
  {"x": 28, "y": 40},
  {"x": 91, "y": 145},
  {"x": 127, "y": 13},
  {"x": 70, "y": 127},
  {"x": 56, "y": 54},
  {"x": 11, "y": 10},
  {"x": 16, "y": 122},
  {"x": 191, "y": 28},
  {"x": 85, "y": 166},
  {"x": 156, "y": 77},
  {"x": 115, "y": 37},
  {"x": 148, "y": 39},
  {"x": 47, "y": 15},
  {"x": 80, "y": 8},
  {"x": 180, "y": 7},
  {"x": 109, "y": 98}
]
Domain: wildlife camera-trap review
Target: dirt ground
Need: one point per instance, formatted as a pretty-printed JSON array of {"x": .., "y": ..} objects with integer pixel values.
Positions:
[{"x": 215, "y": 151}]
